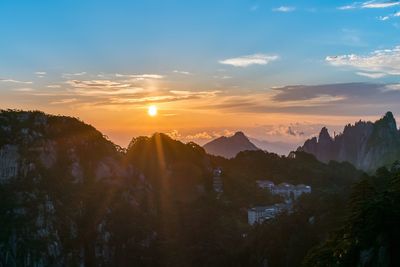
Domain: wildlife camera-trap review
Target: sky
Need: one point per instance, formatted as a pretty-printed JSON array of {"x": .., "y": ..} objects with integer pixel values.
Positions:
[{"x": 277, "y": 70}]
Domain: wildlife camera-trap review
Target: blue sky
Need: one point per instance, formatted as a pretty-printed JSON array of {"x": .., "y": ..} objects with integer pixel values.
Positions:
[{"x": 193, "y": 53}]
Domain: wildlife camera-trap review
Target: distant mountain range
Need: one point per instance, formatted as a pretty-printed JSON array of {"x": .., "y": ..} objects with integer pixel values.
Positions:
[
  {"x": 229, "y": 147},
  {"x": 366, "y": 145}
]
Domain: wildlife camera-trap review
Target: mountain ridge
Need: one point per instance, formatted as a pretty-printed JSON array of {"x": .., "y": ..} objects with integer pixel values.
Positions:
[{"x": 367, "y": 145}]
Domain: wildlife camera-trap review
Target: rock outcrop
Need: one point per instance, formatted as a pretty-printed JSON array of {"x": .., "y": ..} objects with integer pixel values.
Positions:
[{"x": 366, "y": 145}]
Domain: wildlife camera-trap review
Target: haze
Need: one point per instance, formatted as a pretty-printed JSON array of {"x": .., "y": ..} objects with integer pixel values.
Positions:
[{"x": 277, "y": 70}]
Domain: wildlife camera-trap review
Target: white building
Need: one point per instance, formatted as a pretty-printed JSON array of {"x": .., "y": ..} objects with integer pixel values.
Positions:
[
  {"x": 287, "y": 191},
  {"x": 260, "y": 214},
  {"x": 217, "y": 181},
  {"x": 265, "y": 184}
]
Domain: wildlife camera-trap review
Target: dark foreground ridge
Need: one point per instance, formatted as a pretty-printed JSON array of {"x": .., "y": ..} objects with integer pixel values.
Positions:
[{"x": 70, "y": 197}]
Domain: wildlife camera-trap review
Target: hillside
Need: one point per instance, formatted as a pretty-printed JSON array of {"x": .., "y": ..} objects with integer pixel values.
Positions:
[{"x": 70, "y": 197}]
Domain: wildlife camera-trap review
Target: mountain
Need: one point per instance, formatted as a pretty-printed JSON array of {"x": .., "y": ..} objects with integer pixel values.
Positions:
[
  {"x": 70, "y": 197},
  {"x": 366, "y": 145},
  {"x": 67, "y": 196},
  {"x": 229, "y": 147}
]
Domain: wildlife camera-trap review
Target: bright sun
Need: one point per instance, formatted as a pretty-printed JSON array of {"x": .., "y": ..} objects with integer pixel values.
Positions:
[{"x": 152, "y": 111}]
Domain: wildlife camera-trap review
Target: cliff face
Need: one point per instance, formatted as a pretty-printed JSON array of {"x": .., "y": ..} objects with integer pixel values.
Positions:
[
  {"x": 63, "y": 188},
  {"x": 228, "y": 147},
  {"x": 70, "y": 197},
  {"x": 366, "y": 145}
]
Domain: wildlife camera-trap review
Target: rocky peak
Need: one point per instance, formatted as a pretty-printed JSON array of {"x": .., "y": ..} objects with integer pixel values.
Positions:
[
  {"x": 388, "y": 121},
  {"x": 367, "y": 145},
  {"x": 239, "y": 134},
  {"x": 324, "y": 136}
]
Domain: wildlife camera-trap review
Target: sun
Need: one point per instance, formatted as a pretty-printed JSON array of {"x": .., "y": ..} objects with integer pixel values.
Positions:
[{"x": 152, "y": 111}]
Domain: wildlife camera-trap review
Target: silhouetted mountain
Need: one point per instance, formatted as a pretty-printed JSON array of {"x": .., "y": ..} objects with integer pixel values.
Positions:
[
  {"x": 67, "y": 197},
  {"x": 172, "y": 167},
  {"x": 367, "y": 145},
  {"x": 70, "y": 197},
  {"x": 229, "y": 147}
]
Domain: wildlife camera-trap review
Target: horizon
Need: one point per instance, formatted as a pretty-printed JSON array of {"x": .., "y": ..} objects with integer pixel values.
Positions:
[{"x": 278, "y": 71}]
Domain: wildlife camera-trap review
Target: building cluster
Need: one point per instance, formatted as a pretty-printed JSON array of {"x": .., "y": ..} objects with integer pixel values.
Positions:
[
  {"x": 289, "y": 192},
  {"x": 217, "y": 181},
  {"x": 263, "y": 213}
]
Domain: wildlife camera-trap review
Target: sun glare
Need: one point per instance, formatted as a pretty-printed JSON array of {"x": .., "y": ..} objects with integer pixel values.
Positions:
[{"x": 152, "y": 111}]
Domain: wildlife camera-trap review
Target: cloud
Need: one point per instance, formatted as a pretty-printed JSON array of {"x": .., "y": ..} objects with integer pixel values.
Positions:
[
  {"x": 222, "y": 77},
  {"x": 372, "y": 75},
  {"x": 284, "y": 9},
  {"x": 15, "y": 81},
  {"x": 390, "y": 16},
  {"x": 380, "y": 4},
  {"x": 24, "y": 89},
  {"x": 294, "y": 132},
  {"x": 102, "y": 87},
  {"x": 119, "y": 92},
  {"x": 64, "y": 101},
  {"x": 53, "y": 86},
  {"x": 195, "y": 93},
  {"x": 245, "y": 61},
  {"x": 370, "y": 5},
  {"x": 391, "y": 87},
  {"x": 74, "y": 74},
  {"x": 378, "y": 63},
  {"x": 140, "y": 76},
  {"x": 182, "y": 72},
  {"x": 316, "y": 100},
  {"x": 40, "y": 74}
]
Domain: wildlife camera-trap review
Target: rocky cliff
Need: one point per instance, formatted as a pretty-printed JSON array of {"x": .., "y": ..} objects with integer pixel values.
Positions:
[
  {"x": 366, "y": 145},
  {"x": 64, "y": 192},
  {"x": 70, "y": 197}
]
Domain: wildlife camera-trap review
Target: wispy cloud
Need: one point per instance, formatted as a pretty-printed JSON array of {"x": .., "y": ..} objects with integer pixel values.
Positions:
[
  {"x": 64, "y": 101},
  {"x": 245, "y": 61},
  {"x": 370, "y": 4},
  {"x": 15, "y": 81},
  {"x": 140, "y": 76},
  {"x": 372, "y": 75},
  {"x": 378, "y": 64},
  {"x": 40, "y": 74},
  {"x": 74, "y": 74},
  {"x": 284, "y": 9},
  {"x": 103, "y": 87},
  {"x": 392, "y": 87},
  {"x": 24, "y": 89},
  {"x": 380, "y": 4},
  {"x": 390, "y": 16},
  {"x": 182, "y": 72},
  {"x": 53, "y": 86}
]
